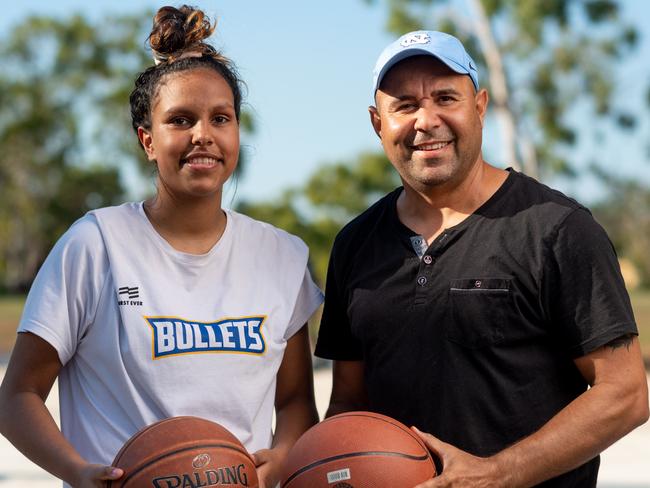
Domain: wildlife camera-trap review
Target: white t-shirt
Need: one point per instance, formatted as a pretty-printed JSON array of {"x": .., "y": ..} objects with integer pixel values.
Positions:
[{"x": 145, "y": 332}]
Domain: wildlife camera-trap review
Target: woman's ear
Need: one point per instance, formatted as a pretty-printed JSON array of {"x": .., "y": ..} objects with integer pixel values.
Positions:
[{"x": 145, "y": 138}]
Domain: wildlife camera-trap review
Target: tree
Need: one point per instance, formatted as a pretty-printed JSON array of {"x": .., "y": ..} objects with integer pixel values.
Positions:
[
  {"x": 625, "y": 214},
  {"x": 63, "y": 116},
  {"x": 331, "y": 197},
  {"x": 65, "y": 129},
  {"x": 540, "y": 59}
]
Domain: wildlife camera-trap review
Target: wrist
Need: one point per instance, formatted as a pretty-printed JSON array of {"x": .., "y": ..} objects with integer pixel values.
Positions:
[
  {"x": 75, "y": 473},
  {"x": 503, "y": 469}
]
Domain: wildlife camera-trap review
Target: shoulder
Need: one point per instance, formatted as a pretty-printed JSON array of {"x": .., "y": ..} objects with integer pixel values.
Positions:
[
  {"x": 84, "y": 234},
  {"x": 370, "y": 221},
  {"x": 549, "y": 213},
  {"x": 264, "y": 235},
  {"x": 119, "y": 213},
  {"x": 532, "y": 206},
  {"x": 528, "y": 191}
]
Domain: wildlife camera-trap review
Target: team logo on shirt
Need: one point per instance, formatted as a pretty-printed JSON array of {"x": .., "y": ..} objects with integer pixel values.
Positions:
[
  {"x": 128, "y": 295},
  {"x": 174, "y": 335}
]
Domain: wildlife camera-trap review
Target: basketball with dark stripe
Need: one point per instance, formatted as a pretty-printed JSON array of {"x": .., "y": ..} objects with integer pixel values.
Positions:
[
  {"x": 358, "y": 450},
  {"x": 184, "y": 452}
]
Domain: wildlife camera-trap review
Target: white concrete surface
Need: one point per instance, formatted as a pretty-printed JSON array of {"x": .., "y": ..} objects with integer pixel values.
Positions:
[{"x": 626, "y": 464}]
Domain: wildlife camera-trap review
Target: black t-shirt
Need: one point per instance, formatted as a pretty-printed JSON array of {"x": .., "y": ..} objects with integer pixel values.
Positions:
[{"x": 475, "y": 341}]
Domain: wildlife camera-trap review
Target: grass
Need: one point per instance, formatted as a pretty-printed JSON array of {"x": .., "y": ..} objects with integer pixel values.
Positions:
[{"x": 11, "y": 307}]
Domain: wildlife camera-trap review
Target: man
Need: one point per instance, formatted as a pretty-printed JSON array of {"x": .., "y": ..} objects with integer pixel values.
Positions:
[{"x": 475, "y": 303}]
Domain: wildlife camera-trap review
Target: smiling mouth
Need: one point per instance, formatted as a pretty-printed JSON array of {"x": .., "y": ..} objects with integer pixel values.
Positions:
[
  {"x": 202, "y": 161},
  {"x": 431, "y": 146}
]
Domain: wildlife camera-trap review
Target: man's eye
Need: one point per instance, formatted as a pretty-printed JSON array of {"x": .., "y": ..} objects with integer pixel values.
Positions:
[
  {"x": 221, "y": 119},
  {"x": 179, "y": 121},
  {"x": 406, "y": 107}
]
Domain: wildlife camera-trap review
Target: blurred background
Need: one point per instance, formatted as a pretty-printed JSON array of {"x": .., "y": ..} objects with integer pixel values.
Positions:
[
  {"x": 570, "y": 102},
  {"x": 570, "y": 99}
]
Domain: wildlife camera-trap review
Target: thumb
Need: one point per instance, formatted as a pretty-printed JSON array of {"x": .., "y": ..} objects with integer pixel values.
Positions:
[
  {"x": 110, "y": 473},
  {"x": 260, "y": 457},
  {"x": 435, "y": 445}
]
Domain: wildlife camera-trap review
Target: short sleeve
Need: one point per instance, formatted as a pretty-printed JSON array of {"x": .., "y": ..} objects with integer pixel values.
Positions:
[
  {"x": 335, "y": 338},
  {"x": 309, "y": 299},
  {"x": 64, "y": 296},
  {"x": 583, "y": 289}
]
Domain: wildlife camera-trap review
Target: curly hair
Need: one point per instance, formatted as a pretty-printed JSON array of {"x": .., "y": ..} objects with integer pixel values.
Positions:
[{"x": 177, "y": 42}]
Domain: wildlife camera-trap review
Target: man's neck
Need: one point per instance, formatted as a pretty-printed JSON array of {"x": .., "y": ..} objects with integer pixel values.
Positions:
[{"x": 429, "y": 211}]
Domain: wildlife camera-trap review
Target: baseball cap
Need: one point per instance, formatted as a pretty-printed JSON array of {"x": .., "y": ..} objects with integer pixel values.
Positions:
[{"x": 442, "y": 46}]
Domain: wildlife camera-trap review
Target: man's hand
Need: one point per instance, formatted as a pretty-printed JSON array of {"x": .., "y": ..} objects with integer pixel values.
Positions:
[{"x": 459, "y": 467}]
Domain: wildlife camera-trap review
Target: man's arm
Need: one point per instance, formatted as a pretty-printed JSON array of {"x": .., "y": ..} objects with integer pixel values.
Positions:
[
  {"x": 616, "y": 403},
  {"x": 348, "y": 388}
]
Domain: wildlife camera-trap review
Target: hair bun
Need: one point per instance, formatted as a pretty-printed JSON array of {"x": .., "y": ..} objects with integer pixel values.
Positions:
[{"x": 176, "y": 30}]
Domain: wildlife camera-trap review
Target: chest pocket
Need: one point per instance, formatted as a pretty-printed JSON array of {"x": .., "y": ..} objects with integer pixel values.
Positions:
[{"x": 479, "y": 308}]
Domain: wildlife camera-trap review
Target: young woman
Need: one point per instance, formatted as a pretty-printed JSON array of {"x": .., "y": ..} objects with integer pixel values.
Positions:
[{"x": 172, "y": 306}]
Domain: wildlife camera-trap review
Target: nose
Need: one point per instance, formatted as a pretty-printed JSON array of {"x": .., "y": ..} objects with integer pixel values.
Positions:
[
  {"x": 426, "y": 118},
  {"x": 202, "y": 135}
]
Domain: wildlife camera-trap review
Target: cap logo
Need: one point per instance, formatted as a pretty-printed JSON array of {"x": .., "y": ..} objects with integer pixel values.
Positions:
[{"x": 411, "y": 39}]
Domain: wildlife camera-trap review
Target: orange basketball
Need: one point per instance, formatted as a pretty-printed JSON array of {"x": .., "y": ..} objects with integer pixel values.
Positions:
[
  {"x": 184, "y": 452},
  {"x": 358, "y": 450}
]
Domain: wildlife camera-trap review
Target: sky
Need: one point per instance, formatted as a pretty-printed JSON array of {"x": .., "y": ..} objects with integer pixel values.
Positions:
[{"x": 308, "y": 69}]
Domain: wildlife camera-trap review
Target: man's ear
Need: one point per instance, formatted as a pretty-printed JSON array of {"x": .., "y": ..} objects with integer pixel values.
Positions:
[
  {"x": 482, "y": 100},
  {"x": 375, "y": 120},
  {"x": 144, "y": 136}
]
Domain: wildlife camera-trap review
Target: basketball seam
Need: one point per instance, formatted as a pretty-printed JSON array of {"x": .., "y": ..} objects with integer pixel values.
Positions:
[
  {"x": 353, "y": 454},
  {"x": 150, "y": 427},
  {"x": 389, "y": 421},
  {"x": 155, "y": 460}
]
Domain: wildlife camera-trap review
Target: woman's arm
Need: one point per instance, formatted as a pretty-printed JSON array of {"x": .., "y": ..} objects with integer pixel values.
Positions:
[
  {"x": 27, "y": 423},
  {"x": 295, "y": 407}
]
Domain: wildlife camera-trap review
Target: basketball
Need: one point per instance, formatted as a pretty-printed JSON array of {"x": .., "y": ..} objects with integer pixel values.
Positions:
[
  {"x": 184, "y": 452},
  {"x": 358, "y": 450}
]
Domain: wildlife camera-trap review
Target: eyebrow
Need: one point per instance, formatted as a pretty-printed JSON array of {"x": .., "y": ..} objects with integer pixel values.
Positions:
[
  {"x": 435, "y": 93},
  {"x": 447, "y": 91},
  {"x": 183, "y": 108}
]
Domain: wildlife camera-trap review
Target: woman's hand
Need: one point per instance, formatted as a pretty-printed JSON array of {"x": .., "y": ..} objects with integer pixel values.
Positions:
[
  {"x": 95, "y": 476},
  {"x": 269, "y": 466}
]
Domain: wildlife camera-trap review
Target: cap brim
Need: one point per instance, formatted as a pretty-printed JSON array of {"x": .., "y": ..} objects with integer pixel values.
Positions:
[{"x": 407, "y": 53}]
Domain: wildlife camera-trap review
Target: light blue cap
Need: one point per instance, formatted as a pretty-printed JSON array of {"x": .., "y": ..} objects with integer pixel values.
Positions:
[{"x": 442, "y": 46}]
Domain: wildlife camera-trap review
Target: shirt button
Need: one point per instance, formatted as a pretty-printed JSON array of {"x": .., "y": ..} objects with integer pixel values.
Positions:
[
  {"x": 427, "y": 259},
  {"x": 422, "y": 280}
]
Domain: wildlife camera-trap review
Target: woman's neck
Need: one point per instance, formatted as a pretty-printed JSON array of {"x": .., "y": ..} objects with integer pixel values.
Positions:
[{"x": 192, "y": 226}]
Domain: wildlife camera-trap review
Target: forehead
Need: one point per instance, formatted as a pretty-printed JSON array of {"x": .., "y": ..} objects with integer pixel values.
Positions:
[
  {"x": 416, "y": 70},
  {"x": 198, "y": 83}
]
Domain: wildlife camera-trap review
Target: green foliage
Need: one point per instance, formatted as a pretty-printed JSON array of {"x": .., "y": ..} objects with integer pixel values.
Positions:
[
  {"x": 64, "y": 103},
  {"x": 65, "y": 85},
  {"x": 332, "y": 196},
  {"x": 625, "y": 214}
]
